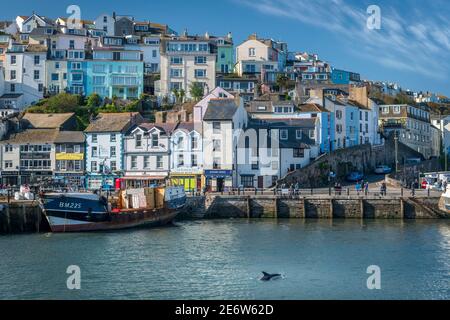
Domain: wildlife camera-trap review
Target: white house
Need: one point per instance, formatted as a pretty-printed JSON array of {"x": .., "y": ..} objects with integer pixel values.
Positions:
[
  {"x": 105, "y": 147},
  {"x": 186, "y": 161},
  {"x": 223, "y": 122},
  {"x": 27, "y": 24},
  {"x": 146, "y": 154},
  {"x": 202, "y": 105},
  {"x": 25, "y": 73},
  {"x": 106, "y": 23},
  {"x": 149, "y": 46},
  {"x": 186, "y": 60}
]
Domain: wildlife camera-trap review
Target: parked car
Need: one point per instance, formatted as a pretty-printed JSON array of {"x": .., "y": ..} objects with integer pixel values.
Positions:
[
  {"x": 354, "y": 176},
  {"x": 383, "y": 170}
]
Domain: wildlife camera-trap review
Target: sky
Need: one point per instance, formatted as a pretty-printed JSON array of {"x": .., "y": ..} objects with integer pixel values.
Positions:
[{"x": 412, "y": 47}]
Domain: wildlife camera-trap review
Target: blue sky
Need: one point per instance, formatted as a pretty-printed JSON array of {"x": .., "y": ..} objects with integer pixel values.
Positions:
[{"x": 412, "y": 47}]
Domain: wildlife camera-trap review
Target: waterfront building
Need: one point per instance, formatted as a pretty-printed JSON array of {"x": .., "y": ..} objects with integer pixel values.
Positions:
[
  {"x": 186, "y": 161},
  {"x": 106, "y": 23},
  {"x": 5, "y": 40},
  {"x": 115, "y": 72},
  {"x": 25, "y": 73},
  {"x": 105, "y": 148},
  {"x": 411, "y": 124},
  {"x": 245, "y": 87},
  {"x": 69, "y": 159},
  {"x": 202, "y": 105},
  {"x": 325, "y": 121},
  {"x": 256, "y": 56},
  {"x": 225, "y": 54},
  {"x": 28, "y": 157},
  {"x": 442, "y": 123},
  {"x": 222, "y": 123},
  {"x": 344, "y": 77},
  {"x": 186, "y": 60},
  {"x": 146, "y": 154}
]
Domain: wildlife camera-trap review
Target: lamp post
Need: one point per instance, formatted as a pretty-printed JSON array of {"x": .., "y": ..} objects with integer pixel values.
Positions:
[{"x": 396, "y": 151}]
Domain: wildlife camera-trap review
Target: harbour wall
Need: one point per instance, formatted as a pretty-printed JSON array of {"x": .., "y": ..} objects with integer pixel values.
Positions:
[
  {"x": 27, "y": 217},
  {"x": 322, "y": 207}
]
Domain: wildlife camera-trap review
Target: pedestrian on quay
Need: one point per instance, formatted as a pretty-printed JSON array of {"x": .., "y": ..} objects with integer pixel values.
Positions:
[
  {"x": 366, "y": 187},
  {"x": 358, "y": 188}
]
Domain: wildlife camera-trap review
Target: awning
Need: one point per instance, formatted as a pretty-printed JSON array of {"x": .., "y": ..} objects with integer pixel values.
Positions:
[{"x": 146, "y": 178}]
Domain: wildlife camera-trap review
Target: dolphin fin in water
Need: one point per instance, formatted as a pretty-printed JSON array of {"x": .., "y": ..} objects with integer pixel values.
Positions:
[{"x": 268, "y": 276}]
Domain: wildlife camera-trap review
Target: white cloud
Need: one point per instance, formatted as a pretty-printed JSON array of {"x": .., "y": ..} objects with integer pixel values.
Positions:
[{"x": 415, "y": 41}]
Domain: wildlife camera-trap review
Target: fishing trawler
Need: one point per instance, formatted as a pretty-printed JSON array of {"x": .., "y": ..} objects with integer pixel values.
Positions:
[{"x": 79, "y": 212}]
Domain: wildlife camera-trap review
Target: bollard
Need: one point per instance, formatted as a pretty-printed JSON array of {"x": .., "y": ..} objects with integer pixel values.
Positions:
[
  {"x": 401, "y": 192},
  {"x": 312, "y": 191},
  {"x": 348, "y": 191},
  {"x": 329, "y": 191},
  {"x": 428, "y": 192}
]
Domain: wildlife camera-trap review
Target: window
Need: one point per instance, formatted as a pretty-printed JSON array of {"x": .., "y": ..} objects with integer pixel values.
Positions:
[
  {"x": 312, "y": 134},
  {"x": 299, "y": 153},
  {"x": 154, "y": 53},
  {"x": 176, "y": 73},
  {"x": 112, "y": 138},
  {"x": 133, "y": 162},
  {"x": 200, "y": 60},
  {"x": 284, "y": 134},
  {"x": 76, "y": 65},
  {"x": 155, "y": 140},
  {"x": 299, "y": 134},
  {"x": 338, "y": 114},
  {"x": 247, "y": 181},
  {"x": 180, "y": 143},
  {"x": 8, "y": 164},
  {"x": 194, "y": 142},
  {"x": 94, "y": 167},
  {"x": 8, "y": 148},
  {"x": 385, "y": 110},
  {"x": 251, "y": 52},
  {"x": 180, "y": 160},
  {"x": 40, "y": 87},
  {"x": 94, "y": 138},
  {"x": 216, "y": 145},
  {"x": 216, "y": 163},
  {"x": 194, "y": 162},
  {"x": 12, "y": 87},
  {"x": 72, "y": 44},
  {"x": 176, "y": 60},
  {"x": 159, "y": 162},
  {"x": 138, "y": 141},
  {"x": 113, "y": 166},
  {"x": 13, "y": 75},
  {"x": 94, "y": 152},
  {"x": 146, "y": 162},
  {"x": 55, "y": 76},
  {"x": 13, "y": 59},
  {"x": 200, "y": 73},
  {"x": 36, "y": 75},
  {"x": 112, "y": 152},
  {"x": 397, "y": 109},
  {"x": 216, "y": 127}
]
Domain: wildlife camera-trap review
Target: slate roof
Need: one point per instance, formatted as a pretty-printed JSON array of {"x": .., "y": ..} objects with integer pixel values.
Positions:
[
  {"x": 32, "y": 136},
  {"x": 47, "y": 120},
  {"x": 220, "y": 109},
  {"x": 114, "y": 122},
  {"x": 70, "y": 137},
  {"x": 311, "y": 107},
  {"x": 167, "y": 128}
]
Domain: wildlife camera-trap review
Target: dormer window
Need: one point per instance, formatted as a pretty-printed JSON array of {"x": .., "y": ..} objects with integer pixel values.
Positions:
[
  {"x": 155, "y": 142},
  {"x": 284, "y": 134}
]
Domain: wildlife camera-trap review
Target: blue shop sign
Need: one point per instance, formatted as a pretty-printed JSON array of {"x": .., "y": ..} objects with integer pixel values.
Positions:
[{"x": 218, "y": 173}]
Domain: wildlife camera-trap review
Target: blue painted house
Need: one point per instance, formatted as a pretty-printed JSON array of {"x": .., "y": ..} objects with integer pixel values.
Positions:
[
  {"x": 115, "y": 72},
  {"x": 344, "y": 77},
  {"x": 325, "y": 117}
]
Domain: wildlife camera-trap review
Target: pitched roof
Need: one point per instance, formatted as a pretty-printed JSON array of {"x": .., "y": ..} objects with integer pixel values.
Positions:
[
  {"x": 36, "y": 48},
  {"x": 220, "y": 109},
  {"x": 32, "y": 136},
  {"x": 70, "y": 137},
  {"x": 47, "y": 120},
  {"x": 312, "y": 107},
  {"x": 114, "y": 122},
  {"x": 167, "y": 128}
]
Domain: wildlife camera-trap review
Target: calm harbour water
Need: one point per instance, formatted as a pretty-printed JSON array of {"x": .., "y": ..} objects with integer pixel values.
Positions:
[{"x": 223, "y": 260}]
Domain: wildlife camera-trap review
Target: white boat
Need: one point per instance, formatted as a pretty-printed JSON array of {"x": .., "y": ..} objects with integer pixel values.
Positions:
[{"x": 444, "y": 203}]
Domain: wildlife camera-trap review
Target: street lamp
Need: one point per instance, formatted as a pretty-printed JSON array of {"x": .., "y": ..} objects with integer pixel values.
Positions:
[{"x": 396, "y": 151}]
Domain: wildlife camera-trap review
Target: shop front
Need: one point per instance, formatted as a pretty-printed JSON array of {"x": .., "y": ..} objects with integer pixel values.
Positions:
[
  {"x": 9, "y": 178},
  {"x": 191, "y": 181},
  {"x": 219, "y": 180},
  {"x": 73, "y": 180},
  {"x": 131, "y": 182},
  {"x": 104, "y": 182}
]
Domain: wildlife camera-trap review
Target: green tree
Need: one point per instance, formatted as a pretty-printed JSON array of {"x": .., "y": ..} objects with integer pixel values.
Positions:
[
  {"x": 196, "y": 91},
  {"x": 282, "y": 82},
  {"x": 94, "y": 100}
]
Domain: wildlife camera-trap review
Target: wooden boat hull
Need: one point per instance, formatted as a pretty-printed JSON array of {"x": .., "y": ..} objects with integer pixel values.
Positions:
[{"x": 116, "y": 221}]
